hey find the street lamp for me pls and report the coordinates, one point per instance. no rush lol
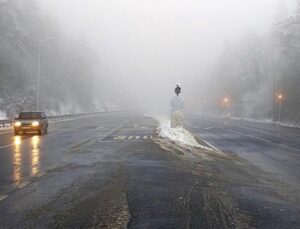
(39, 71)
(280, 99)
(226, 101)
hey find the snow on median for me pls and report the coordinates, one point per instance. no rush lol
(178, 135)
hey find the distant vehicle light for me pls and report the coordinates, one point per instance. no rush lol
(35, 123)
(18, 124)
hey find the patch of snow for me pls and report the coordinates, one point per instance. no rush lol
(179, 135)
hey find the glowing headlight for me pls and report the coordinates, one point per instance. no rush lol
(18, 123)
(35, 124)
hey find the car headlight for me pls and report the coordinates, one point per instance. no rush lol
(35, 124)
(18, 124)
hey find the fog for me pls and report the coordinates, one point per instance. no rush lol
(146, 47)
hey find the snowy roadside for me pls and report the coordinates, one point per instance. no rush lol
(267, 121)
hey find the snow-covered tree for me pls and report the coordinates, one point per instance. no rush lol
(66, 66)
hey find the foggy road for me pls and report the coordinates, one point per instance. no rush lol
(126, 74)
(112, 171)
(272, 148)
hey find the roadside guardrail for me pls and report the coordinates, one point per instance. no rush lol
(6, 124)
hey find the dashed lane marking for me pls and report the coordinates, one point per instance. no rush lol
(23, 185)
(209, 128)
(7, 146)
(3, 197)
(132, 137)
(42, 174)
(120, 138)
(147, 137)
(111, 132)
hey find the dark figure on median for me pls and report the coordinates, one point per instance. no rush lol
(177, 90)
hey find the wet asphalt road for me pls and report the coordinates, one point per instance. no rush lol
(112, 171)
(274, 149)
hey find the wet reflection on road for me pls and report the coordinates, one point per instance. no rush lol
(17, 160)
(20, 150)
(35, 155)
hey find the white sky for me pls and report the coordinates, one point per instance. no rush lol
(155, 43)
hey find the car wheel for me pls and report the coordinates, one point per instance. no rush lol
(40, 132)
(16, 132)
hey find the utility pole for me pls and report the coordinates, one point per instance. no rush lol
(39, 72)
(38, 80)
(280, 98)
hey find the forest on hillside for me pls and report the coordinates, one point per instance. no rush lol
(253, 73)
(66, 66)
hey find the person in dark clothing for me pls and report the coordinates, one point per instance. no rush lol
(177, 90)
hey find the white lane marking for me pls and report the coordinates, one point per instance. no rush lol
(209, 128)
(120, 138)
(211, 145)
(7, 146)
(132, 137)
(250, 136)
(42, 174)
(23, 185)
(111, 132)
(147, 137)
(3, 197)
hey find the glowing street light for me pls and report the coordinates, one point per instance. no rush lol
(226, 103)
(280, 99)
(226, 100)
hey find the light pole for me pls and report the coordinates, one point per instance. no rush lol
(226, 100)
(280, 98)
(227, 105)
(39, 72)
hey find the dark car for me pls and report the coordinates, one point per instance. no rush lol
(31, 122)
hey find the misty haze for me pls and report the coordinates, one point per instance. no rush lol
(150, 114)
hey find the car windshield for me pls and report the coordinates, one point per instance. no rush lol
(30, 115)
